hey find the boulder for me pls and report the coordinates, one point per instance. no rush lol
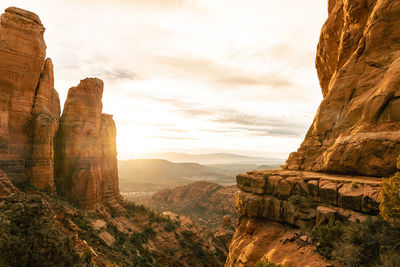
(350, 196)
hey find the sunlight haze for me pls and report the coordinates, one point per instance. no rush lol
(193, 76)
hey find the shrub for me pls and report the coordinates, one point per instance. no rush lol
(354, 185)
(170, 226)
(326, 236)
(360, 243)
(390, 198)
(390, 259)
(267, 263)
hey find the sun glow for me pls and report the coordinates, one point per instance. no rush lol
(192, 76)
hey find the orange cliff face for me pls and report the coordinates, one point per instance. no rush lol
(355, 134)
(29, 105)
(86, 157)
(84, 167)
(357, 127)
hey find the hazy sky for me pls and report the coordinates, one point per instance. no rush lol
(192, 75)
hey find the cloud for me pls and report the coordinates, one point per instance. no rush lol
(174, 138)
(231, 120)
(222, 74)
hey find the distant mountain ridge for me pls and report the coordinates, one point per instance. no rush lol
(151, 175)
(211, 158)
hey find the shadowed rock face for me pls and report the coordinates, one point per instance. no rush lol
(357, 127)
(86, 157)
(29, 104)
(46, 113)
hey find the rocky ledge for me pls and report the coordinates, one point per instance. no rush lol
(274, 206)
(306, 198)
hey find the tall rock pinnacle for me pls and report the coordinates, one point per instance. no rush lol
(86, 157)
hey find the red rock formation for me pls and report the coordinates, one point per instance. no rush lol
(357, 127)
(29, 120)
(6, 186)
(22, 56)
(86, 167)
(204, 202)
(46, 113)
(29, 104)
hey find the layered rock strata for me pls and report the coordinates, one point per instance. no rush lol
(357, 127)
(304, 199)
(274, 206)
(86, 157)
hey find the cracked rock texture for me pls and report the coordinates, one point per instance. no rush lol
(86, 155)
(356, 128)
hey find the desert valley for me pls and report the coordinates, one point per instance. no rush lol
(68, 198)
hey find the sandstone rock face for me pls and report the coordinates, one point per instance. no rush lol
(349, 197)
(257, 239)
(357, 126)
(22, 58)
(86, 163)
(46, 113)
(30, 115)
(273, 204)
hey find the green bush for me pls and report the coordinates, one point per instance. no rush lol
(326, 236)
(390, 198)
(359, 244)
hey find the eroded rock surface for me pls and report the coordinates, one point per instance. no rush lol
(256, 239)
(306, 195)
(357, 127)
(86, 163)
(30, 116)
(274, 206)
(45, 118)
(22, 59)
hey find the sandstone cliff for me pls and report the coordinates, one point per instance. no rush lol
(29, 105)
(86, 157)
(357, 126)
(356, 131)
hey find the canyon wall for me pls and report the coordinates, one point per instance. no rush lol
(352, 143)
(357, 127)
(76, 155)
